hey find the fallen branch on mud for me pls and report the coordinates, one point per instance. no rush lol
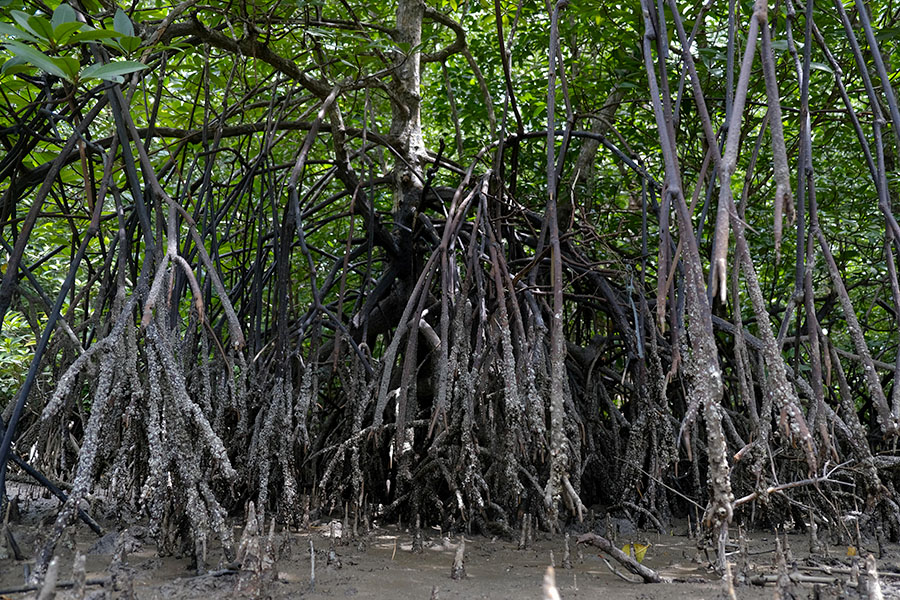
(761, 580)
(617, 572)
(645, 573)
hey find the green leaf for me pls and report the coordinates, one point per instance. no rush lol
(122, 23)
(69, 65)
(14, 65)
(88, 35)
(63, 14)
(63, 31)
(887, 34)
(41, 27)
(130, 43)
(16, 33)
(112, 71)
(36, 58)
(22, 19)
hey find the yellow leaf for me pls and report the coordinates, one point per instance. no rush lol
(851, 551)
(638, 551)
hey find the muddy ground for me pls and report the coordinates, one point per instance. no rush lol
(381, 564)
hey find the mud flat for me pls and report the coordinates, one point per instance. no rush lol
(382, 564)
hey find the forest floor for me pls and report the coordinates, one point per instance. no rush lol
(381, 564)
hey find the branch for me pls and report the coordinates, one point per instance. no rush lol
(458, 45)
(248, 46)
(646, 573)
(772, 489)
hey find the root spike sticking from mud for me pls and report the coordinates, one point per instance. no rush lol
(48, 589)
(550, 591)
(458, 570)
(873, 585)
